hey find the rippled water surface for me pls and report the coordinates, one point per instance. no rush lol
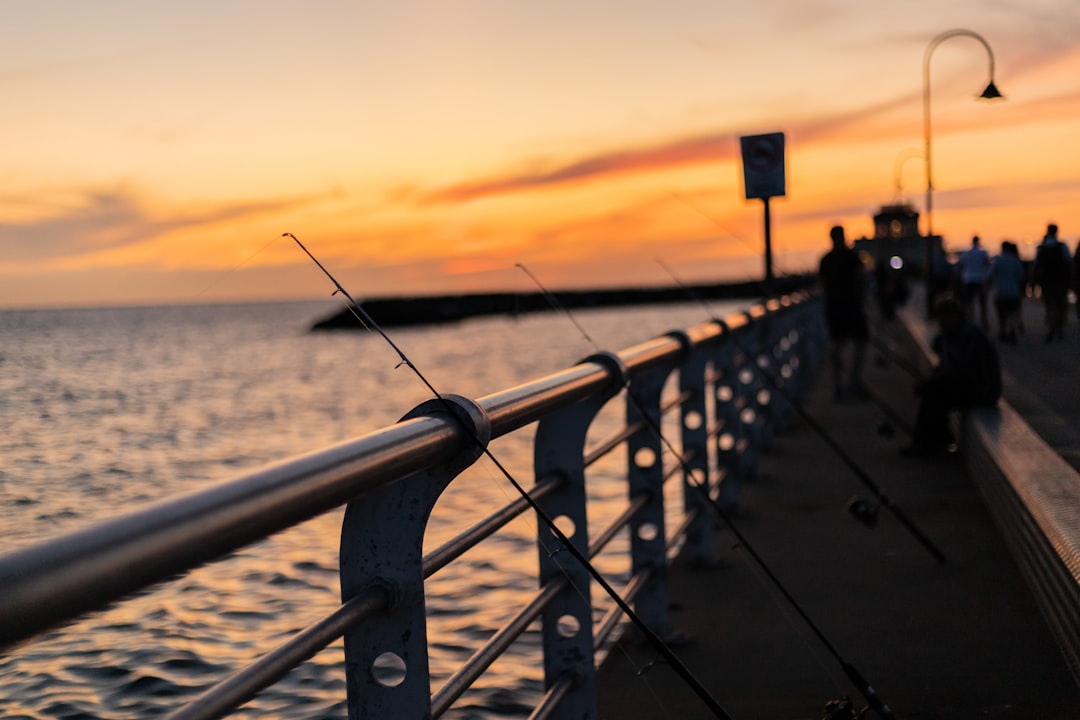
(102, 410)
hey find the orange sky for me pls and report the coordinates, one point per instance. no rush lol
(157, 155)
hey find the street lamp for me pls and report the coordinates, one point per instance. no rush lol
(990, 93)
(898, 168)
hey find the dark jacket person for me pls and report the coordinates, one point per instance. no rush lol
(968, 374)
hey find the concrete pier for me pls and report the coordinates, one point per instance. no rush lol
(958, 640)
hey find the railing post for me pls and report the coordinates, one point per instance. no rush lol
(693, 418)
(566, 622)
(386, 658)
(729, 436)
(645, 474)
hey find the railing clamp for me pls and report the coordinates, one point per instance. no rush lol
(616, 368)
(468, 412)
(686, 345)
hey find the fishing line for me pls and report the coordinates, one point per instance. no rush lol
(861, 474)
(897, 359)
(220, 277)
(865, 689)
(723, 227)
(658, 644)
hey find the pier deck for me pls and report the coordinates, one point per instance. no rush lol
(958, 640)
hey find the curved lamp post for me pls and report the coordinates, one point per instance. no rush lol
(990, 93)
(898, 168)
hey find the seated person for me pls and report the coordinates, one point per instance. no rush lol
(968, 374)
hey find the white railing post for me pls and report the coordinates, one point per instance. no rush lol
(694, 423)
(382, 534)
(566, 622)
(645, 476)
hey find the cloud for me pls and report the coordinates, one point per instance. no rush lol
(107, 220)
(706, 148)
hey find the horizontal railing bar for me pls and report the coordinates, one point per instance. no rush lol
(451, 550)
(612, 617)
(603, 447)
(73, 574)
(607, 534)
(238, 688)
(490, 651)
(550, 702)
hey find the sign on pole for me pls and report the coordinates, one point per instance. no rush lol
(763, 165)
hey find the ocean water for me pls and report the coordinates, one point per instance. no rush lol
(102, 410)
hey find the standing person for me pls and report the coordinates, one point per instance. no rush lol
(1076, 278)
(974, 267)
(1007, 275)
(1053, 274)
(843, 282)
(968, 374)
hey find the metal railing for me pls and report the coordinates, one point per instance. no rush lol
(390, 479)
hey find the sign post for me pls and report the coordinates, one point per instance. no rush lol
(764, 177)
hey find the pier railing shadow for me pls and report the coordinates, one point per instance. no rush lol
(389, 481)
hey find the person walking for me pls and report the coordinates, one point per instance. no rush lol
(1053, 275)
(1007, 276)
(974, 268)
(843, 283)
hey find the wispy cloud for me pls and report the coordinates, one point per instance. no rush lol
(107, 220)
(706, 148)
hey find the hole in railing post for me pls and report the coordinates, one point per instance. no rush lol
(698, 476)
(764, 397)
(388, 669)
(786, 372)
(746, 376)
(748, 416)
(726, 441)
(567, 626)
(645, 457)
(724, 393)
(566, 525)
(648, 531)
(693, 420)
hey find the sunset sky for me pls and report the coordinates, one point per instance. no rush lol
(155, 152)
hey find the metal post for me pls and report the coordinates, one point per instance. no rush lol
(693, 419)
(645, 474)
(386, 658)
(729, 433)
(567, 620)
(769, 280)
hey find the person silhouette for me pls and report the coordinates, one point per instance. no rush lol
(1007, 275)
(1053, 274)
(968, 374)
(974, 268)
(843, 283)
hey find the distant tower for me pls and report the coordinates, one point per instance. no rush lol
(896, 235)
(896, 222)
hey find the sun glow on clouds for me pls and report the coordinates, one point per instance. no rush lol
(456, 141)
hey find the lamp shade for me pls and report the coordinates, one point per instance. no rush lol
(991, 92)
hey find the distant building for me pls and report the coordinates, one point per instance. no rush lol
(897, 242)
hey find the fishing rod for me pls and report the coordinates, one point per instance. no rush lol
(865, 688)
(861, 474)
(655, 640)
(897, 359)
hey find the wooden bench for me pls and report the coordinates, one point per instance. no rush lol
(1034, 497)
